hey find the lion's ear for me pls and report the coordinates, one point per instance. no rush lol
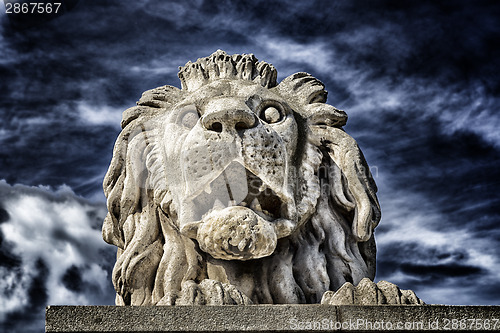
(308, 96)
(151, 103)
(161, 97)
(302, 89)
(351, 183)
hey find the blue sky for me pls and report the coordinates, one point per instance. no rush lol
(418, 79)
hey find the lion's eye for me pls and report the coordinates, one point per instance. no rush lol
(188, 117)
(271, 114)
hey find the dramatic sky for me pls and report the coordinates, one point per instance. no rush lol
(418, 79)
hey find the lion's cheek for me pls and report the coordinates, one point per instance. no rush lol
(236, 233)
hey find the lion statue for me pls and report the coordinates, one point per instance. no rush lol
(235, 189)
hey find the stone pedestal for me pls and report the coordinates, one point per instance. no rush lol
(269, 318)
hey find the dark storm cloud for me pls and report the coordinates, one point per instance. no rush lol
(458, 172)
(417, 78)
(436, 254)
(430, 270)
(68, 65)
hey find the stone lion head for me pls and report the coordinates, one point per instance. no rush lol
(235, 189)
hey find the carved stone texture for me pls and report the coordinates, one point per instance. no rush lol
(369, 293)
(237, 190)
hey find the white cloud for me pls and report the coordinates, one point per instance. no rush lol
(99, 114)
(62, 231)
(315, 54)
(470, 109)
(163, 66)
(13, 290)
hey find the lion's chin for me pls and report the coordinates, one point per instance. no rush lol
(236, 233)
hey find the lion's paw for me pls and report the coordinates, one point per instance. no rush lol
(211, 292)
(369, 293)
(236, 233)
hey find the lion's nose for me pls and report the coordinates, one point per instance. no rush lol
(238, 120)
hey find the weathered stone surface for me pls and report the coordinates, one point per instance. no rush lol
(369, 293)
(269, 318)
(237, 190)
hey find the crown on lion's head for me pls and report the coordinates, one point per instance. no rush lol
(234, 170)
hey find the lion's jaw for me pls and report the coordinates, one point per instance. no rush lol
(234, 189)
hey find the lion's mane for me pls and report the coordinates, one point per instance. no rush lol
(333, 245)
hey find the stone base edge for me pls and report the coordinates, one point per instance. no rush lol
(270, 318)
